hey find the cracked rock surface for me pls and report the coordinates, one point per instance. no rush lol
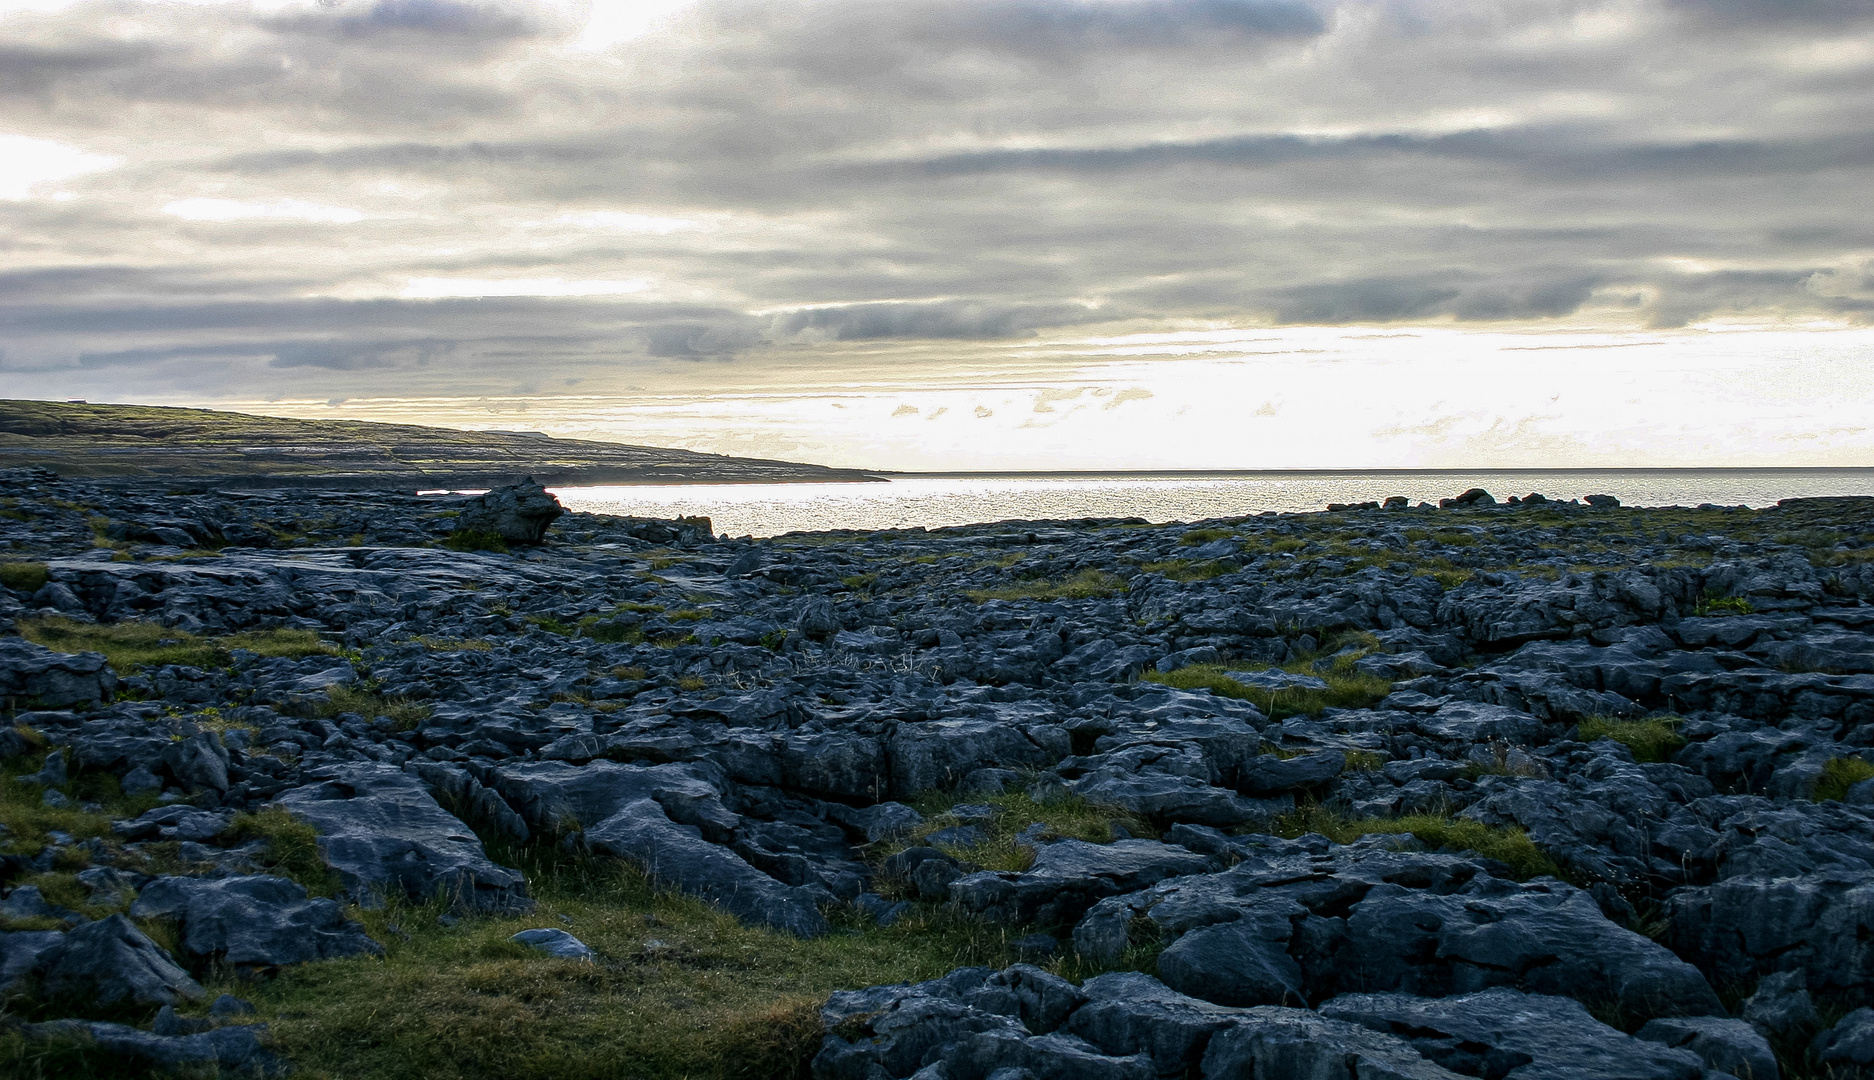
(1543, 789)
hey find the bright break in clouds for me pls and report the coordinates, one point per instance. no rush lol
(964, 233)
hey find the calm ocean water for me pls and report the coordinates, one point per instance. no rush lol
(932, 501)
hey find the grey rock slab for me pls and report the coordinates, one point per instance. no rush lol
(1725, 1045)
(198, 762)
(1472, 721)
(1517, 1036)
(1069, 876)
(940, 753)
(556, 943)
(384, 834)
(1131, 1013)
(1241, 962)
(1294, 1044)
(678, 856)
(54, 680)
(554, 796)
(253, 922)
(1819, 924)
(1272, 775)
(1168, 797)
(111, 962)
(1543, 937)
(1277, 680)
(1781, 1003)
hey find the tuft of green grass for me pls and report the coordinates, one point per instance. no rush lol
(405, 715)
(1203, 536)
(1840, 774)
(859, 582)
(1712, 604)
(1652, 739)
(1510, 846)
(1086, 585)
(1067, 817)
(1346, 688)
(292, 847)
(687, 615)
(129, 645)
(476, 540)
(26, 577)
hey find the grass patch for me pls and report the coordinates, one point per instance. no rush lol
(1652, 739)
(688, 615)
(1067, 817)
(1203, 536)
(1722, 605)
(476, 540)
(26, 577)
(692, 683)
(451, 644)
(405, 715)
(28, 822)
(1086, 585)
(292, 847)
(680, 989)
(1510, 846)
(1840, 774)
(1346, 688)
(129, 645)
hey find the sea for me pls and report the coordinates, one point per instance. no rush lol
(933, 501)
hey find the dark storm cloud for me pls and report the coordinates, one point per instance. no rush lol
(941, 320)
(948, 171)
(401, 18)
(1466, 295)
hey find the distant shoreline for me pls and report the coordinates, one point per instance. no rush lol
(1197, 474)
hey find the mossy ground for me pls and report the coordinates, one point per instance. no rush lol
(1840, 774)
(679, 989)
(1085, 585)
(1510, 846)
(1347, 688)
(129, 645)
(1652, 739)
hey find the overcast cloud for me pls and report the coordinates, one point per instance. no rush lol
(366, 198)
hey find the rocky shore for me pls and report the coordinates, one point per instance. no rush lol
(1544, 790)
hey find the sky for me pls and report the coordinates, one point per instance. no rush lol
(963, 234)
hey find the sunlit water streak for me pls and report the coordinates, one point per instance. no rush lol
(934, 501)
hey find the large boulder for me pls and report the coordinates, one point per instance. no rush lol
(1502, 1032)
(111, 962)
(36, 676)
(677, 856)
(1819, 924)
(383, 833)
(556, 797)
(519, 513)
(253, 923)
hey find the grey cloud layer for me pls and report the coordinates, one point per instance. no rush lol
(951, 171)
